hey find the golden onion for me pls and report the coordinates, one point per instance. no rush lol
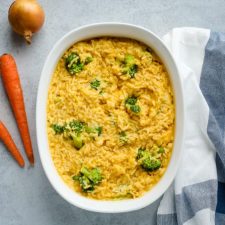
(26, 17)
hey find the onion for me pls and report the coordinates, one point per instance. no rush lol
(26, 17)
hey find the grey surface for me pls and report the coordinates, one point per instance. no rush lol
(26, 196)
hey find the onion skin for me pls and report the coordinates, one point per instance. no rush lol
(26, 17)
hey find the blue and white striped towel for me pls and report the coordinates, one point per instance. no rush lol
(197, 196)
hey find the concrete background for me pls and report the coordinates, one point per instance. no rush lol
(26, 196)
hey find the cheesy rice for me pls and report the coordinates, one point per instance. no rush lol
(110, 118)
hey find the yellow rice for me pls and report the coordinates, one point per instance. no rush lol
(71, 97)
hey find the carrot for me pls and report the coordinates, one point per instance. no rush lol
(8, 141)
(11, 82)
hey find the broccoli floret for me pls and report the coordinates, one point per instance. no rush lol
(76, 126)
(88, 178)
(58, 128)
(71, 130)
(77, 141)
(161, 150)
(85, 183)
(76, 177)
(76, 68)
(131, 104)
(99, 130)
(123, 137)
(151, 164)
(133, 69)
(141, 153)
(96, 176)
(88, 60)
(85, 171)
(89, 130)
(129, 59)
(129, 67)
(147, 162)
(135, 108)
(72, 58)
(93, 175)
(73, 63)
(95, 84)
(131, 100)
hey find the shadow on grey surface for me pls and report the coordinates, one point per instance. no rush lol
(16, 39)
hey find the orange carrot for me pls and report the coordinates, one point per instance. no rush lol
(11, 81)
(9, 143)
